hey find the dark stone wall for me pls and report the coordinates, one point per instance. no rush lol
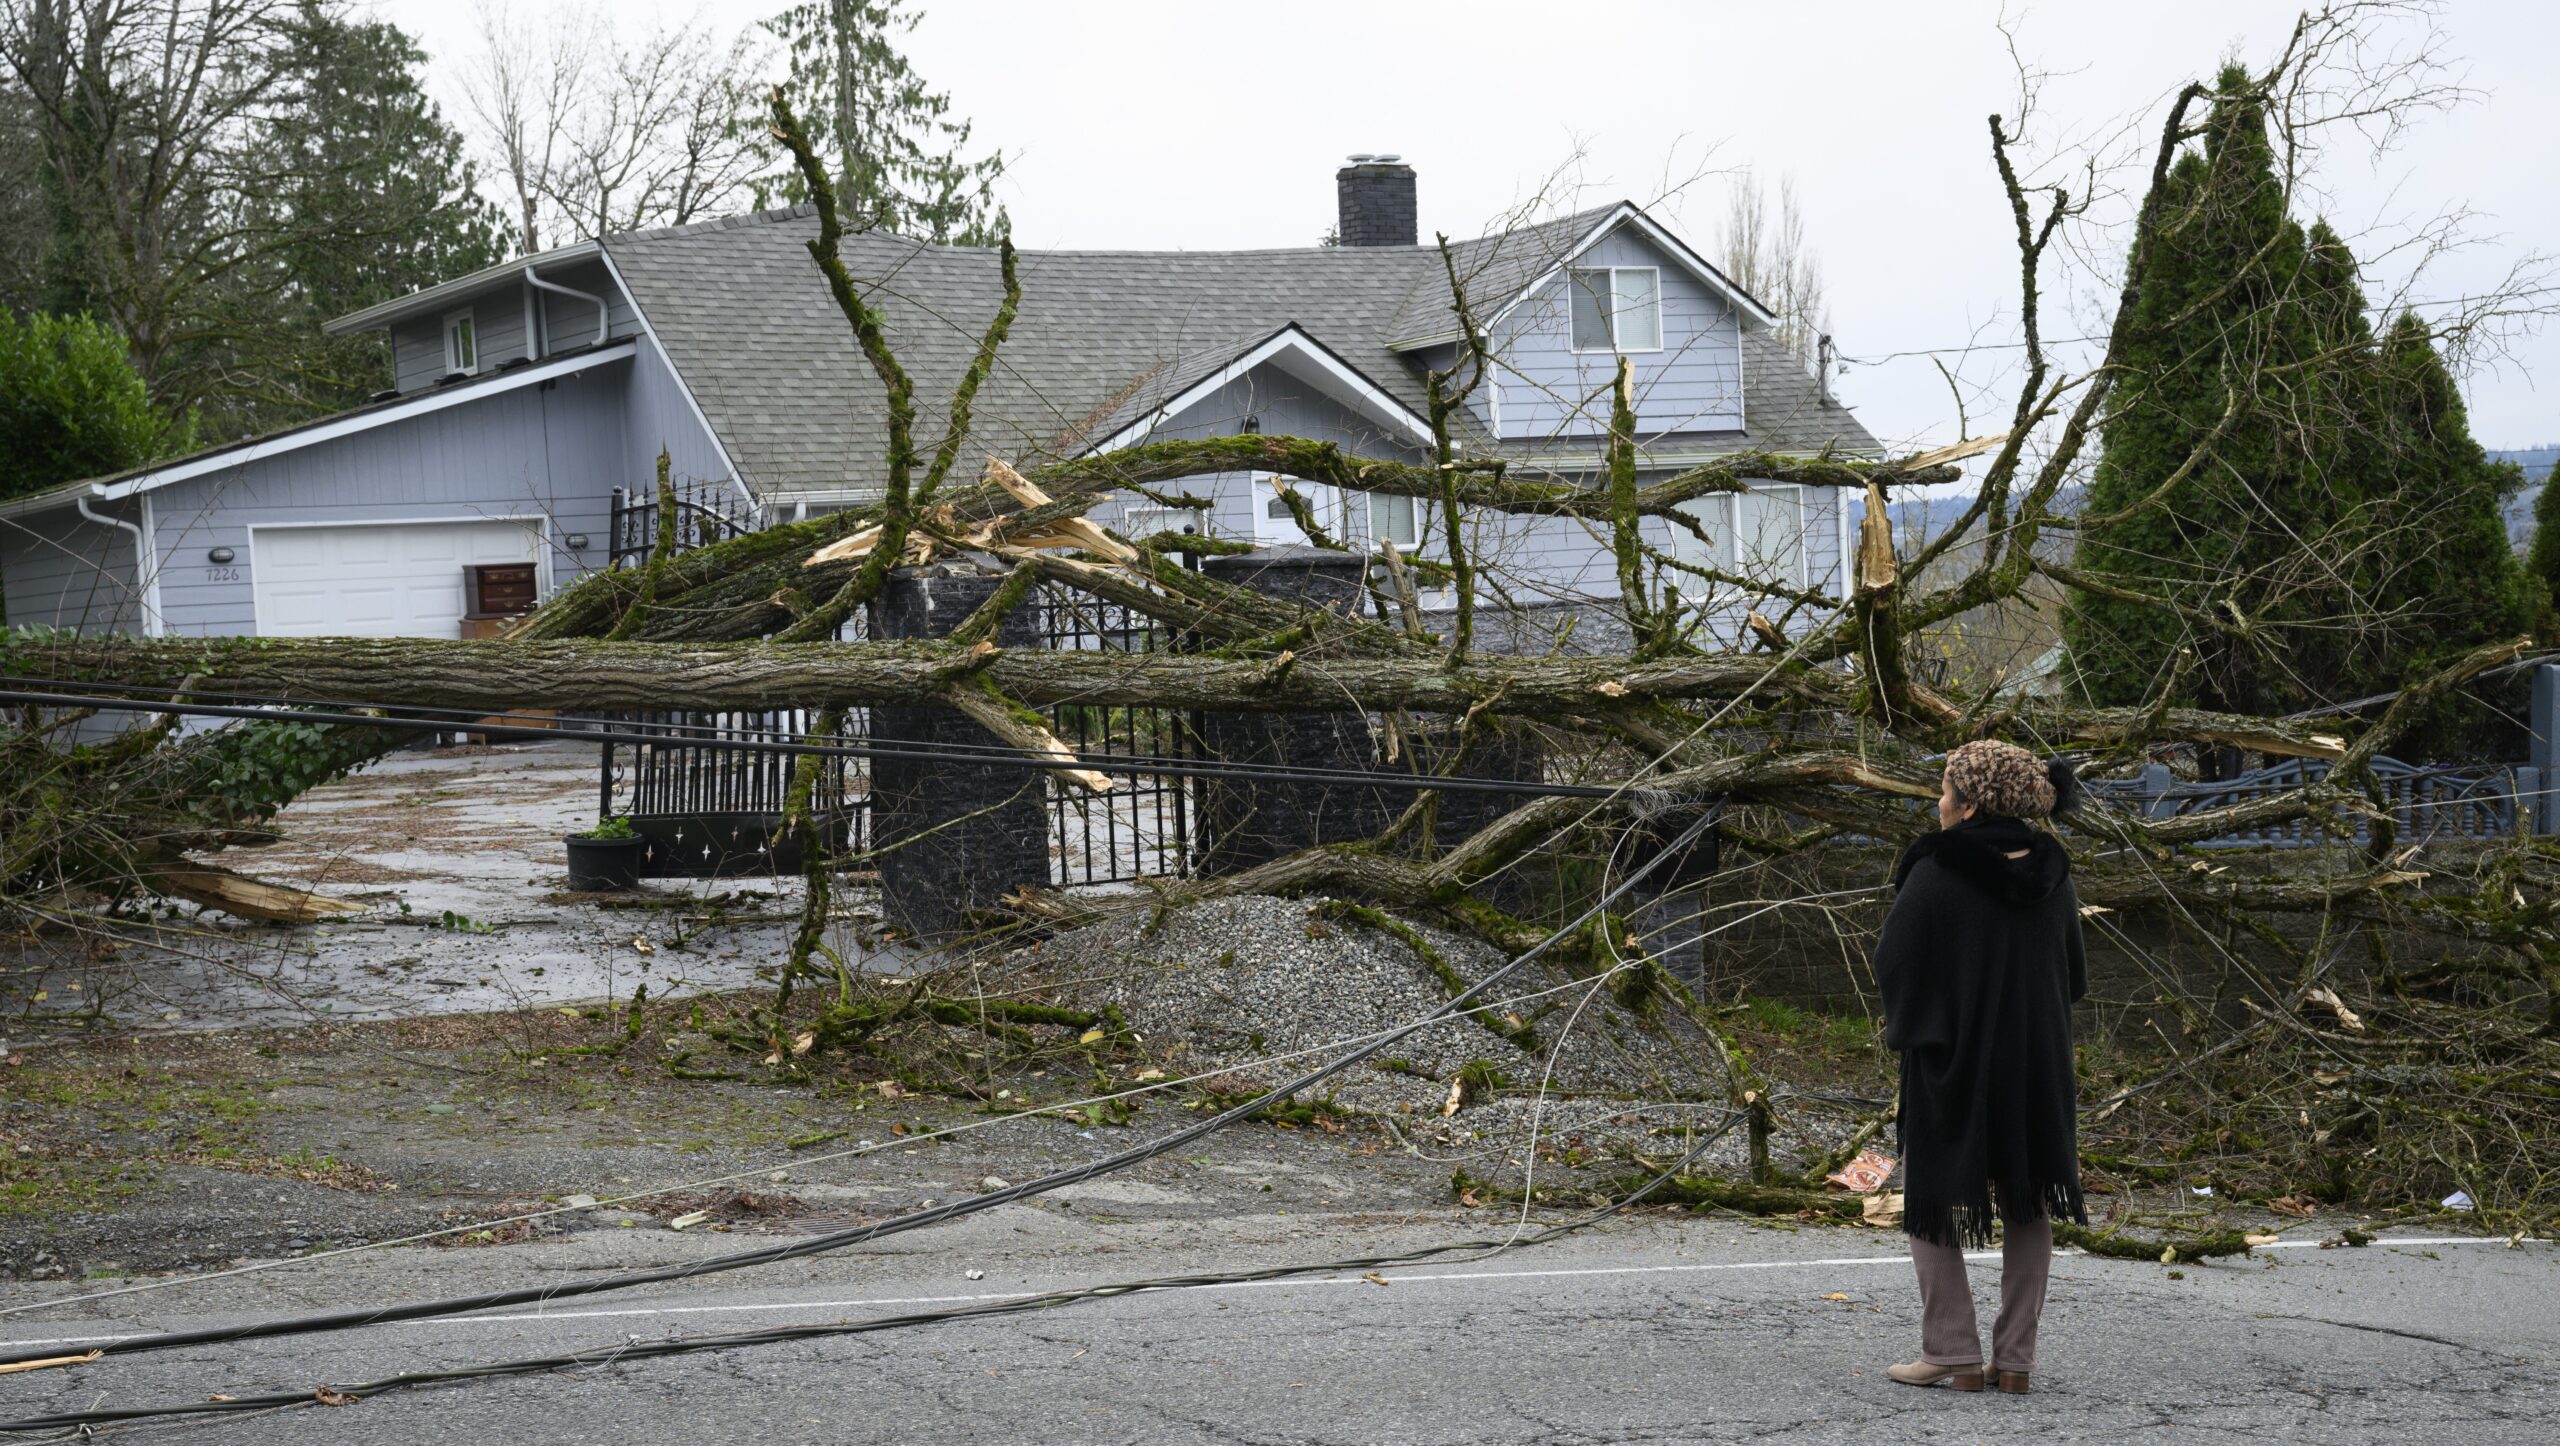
(1376, 204)
(1242, 822)
(951, 865)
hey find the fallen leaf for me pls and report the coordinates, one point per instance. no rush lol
(2293, 1205)
(887, 1089)
(332, 1396)
(1374, 1278)
(1090, 1036)
(803, 1042)
(1147, 1074)
(1836, 1295)
(218, 1396)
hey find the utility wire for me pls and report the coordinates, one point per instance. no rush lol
(837, 1240)
(731, 1340)
(980, 754)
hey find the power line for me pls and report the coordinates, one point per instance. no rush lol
(837, 1240)
(601, 731)
(728, 1340)
(1881, 357)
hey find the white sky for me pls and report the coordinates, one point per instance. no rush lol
(1191, 124)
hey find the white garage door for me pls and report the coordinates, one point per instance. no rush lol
(376, 580)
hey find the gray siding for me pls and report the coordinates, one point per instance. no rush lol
(551, 453)
(498, 318)
(1284, 406)
(61, 570)
(1694, 384)
(417, 345)
(569, 322)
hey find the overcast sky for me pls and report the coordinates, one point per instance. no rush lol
(1186, 124)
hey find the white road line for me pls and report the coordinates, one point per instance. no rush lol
(745, 1308)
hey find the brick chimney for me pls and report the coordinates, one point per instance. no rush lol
(1376, 198)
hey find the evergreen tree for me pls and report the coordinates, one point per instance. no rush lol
(899, 154)
(2542, 559)
(2221, 276)
(2449, 581)
(72, 405)
(373, 200)
(2346, 531)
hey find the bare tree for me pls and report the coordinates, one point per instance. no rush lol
(1767, 255)
(146, 118)
(593, 133)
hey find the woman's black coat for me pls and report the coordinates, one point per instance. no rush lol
(1980, 963)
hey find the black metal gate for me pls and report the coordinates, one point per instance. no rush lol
(1142, 827)
(718, 812)
(706, 512)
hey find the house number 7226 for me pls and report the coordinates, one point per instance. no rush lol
(222, 574)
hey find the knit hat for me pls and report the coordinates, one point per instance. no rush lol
(2005, 779)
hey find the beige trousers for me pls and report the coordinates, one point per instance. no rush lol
(1948, 1334)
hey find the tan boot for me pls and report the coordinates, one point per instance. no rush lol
(2013, 1383)
(1958, 1378)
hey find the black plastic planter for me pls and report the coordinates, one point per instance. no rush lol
(600, 864)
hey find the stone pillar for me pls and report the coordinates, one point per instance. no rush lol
(952, 865)
(1243, 822)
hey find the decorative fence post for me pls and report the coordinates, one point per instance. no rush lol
(2536, 792)
(957, 837)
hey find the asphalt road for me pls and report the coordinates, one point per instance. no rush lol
(1659, 1330)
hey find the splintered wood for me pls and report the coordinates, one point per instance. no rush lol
(1075, 532)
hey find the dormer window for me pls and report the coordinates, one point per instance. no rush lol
(461, 347)
(1616, 308)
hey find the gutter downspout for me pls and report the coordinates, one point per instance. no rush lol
(142, 561)
(602, 316)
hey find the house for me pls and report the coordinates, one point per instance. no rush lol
(527, 394)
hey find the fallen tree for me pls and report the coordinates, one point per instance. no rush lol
(1819, 724)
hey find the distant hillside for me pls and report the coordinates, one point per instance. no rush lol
(2537, 463)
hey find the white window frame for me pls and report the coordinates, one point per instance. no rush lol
(1802, 573)
(1661, 336)
(1413, 513)
(453, 361)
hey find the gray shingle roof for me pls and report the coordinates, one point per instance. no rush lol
(1102, 336)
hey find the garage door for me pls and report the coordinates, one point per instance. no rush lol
(376, 580)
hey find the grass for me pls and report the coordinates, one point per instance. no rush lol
(1833, 1033)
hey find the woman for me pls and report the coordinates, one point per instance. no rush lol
(1980, 963)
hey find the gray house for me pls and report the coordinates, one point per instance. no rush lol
(528, 393)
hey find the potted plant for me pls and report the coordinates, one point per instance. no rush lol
(607, 856)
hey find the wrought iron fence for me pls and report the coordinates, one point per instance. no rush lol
(2429, 803)
(716, 812)
(1142, 827)
(711, 812)
(706, 512)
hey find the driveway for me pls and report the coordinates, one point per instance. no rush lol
(456, 855)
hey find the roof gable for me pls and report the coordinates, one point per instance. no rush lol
(1500, 272)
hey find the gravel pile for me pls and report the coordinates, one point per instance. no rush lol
(1227, 984)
